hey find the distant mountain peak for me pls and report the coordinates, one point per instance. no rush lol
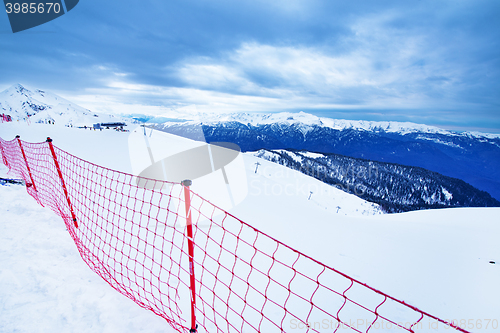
(39, 106)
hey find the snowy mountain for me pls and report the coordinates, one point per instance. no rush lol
(472, 157)
(38, 106)
(397, 188)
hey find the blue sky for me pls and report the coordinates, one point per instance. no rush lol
(432, 62)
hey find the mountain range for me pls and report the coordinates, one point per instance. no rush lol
(470, 156)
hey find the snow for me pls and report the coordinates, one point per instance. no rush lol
(437, 260)
(107, 147)
(446, 143)
(292, 188)
(447, 194)
(311, 155)
(44, 284)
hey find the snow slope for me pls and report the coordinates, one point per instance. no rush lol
(435, 260)
(44, 284)
(107, 147)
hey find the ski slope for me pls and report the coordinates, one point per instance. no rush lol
(435, 260)
(44, 284)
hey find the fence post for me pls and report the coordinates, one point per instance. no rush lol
(49, 140)
(27, 164)
(189, 226)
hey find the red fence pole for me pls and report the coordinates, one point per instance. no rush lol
(189, 225)
(27, 164)
(49, 140)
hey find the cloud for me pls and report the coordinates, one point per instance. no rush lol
(379, 67)
(214, 76)
(385, 61)
(401, 59)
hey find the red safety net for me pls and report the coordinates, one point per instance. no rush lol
(133, 232)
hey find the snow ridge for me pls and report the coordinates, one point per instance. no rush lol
(306, 121)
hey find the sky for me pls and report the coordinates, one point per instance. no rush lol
(425, 61)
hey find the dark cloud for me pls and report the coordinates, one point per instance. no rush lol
(403, 58)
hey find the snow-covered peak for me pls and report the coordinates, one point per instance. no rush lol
(19, 93)
(36, 105)
(383, 126)
(260, 118)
